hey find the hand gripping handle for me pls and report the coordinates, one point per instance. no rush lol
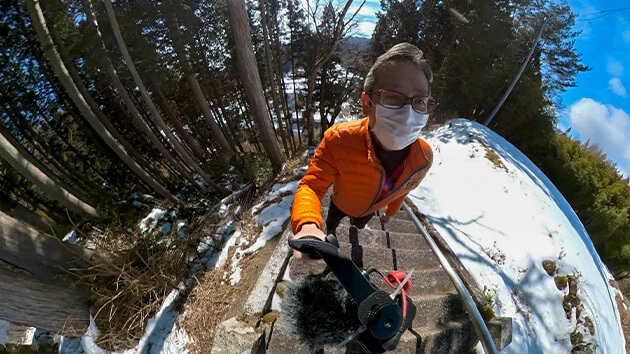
(314, 247)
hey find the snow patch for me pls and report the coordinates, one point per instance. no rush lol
(236, 276)
(88, 341)
(71, 237)
(274, 216)
(161, 334)
(182, 228)
(231, 241)
(504, 238)
(151, 220)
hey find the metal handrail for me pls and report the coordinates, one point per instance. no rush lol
(477, 321)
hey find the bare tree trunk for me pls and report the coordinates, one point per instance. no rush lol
(56, 130)
(74, 74)
(25, 199)
(248, 70)
(308, 111)
(228, 125)
(271, 74)
(252, 135)
(40, 166)
(297, 115)
(280, 78)
(154, 112)
(220, 119)
(15, 115)
(322, 99)
(136, 116)
(323, 57)
(27, 216)
(178, 46)
(243, 109)
(47, 154)
(45, 183)
(29, 301)
(41, 254)
(295, 96)
(62, 73)
(172, 117)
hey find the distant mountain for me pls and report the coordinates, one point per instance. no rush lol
(358, 42)
(352, 50)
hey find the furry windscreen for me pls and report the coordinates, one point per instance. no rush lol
(319, 311)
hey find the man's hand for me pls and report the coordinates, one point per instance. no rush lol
(309, 229)
(384, 218)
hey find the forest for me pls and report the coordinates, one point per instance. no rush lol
(180, 103)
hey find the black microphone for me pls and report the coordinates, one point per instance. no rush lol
(319, 311)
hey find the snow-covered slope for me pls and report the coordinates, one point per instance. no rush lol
(503, 218)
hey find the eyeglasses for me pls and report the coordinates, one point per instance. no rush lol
(395, 100)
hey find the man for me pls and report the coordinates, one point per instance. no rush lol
(376, 161)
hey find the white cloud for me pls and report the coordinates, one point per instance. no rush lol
(626, 35)
(606, 126)
(365, 29)
(614, 67)
(368, 9)
(617, 87)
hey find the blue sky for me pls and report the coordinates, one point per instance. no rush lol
(598, 109)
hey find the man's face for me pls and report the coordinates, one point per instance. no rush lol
(401, 76)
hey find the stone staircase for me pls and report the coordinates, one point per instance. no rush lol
(441, 324)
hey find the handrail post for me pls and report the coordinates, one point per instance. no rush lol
(477, 321)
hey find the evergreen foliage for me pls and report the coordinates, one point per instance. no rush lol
(599, 195)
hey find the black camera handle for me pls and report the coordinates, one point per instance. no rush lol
(379, 314)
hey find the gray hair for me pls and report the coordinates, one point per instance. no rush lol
(401, 51)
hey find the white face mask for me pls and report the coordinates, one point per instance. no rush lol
(396, 129)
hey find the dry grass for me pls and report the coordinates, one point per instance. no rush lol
(128, 289)
(623, 305)
(300, 159)
(207, 305)
(130, 286)
(492, 156)
(495, 159)
(209, 302)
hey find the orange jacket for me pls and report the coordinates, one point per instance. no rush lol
(346, 159)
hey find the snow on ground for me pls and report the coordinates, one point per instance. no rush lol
(161, 334)
(151, 220)
(272, 215)
(503, 221)
(275, 215)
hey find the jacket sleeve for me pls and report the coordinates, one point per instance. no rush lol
(320, 175)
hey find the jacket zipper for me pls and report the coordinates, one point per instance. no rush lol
(392, 192)
(380, 186)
